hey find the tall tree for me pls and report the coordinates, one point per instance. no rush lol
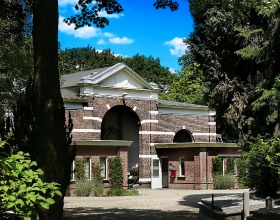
(187, 86)
(16, 55)
(236, 46)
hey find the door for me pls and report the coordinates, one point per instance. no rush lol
(156, 180)
(164, 168)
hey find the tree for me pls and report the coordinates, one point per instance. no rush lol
(187, 86)
(236, 46)
(16, 56)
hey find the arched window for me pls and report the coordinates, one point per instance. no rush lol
(183, 136)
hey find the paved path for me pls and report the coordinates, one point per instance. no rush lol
(149, 204)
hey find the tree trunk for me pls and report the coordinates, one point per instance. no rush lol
(49, 148)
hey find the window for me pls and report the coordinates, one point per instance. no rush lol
(103, 163)
(182, 166)
(156, 168)
(87, 167)
(183, 136)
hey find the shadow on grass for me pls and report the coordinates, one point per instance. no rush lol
(82, 213)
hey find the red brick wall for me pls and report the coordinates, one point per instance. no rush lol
(94, 152)
(195, 166)
(166, 123)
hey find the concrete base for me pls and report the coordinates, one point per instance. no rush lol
(227, 207)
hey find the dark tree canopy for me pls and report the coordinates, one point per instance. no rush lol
(236, 45)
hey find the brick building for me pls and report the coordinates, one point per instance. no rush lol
(116, 112)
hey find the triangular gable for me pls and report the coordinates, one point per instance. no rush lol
(118, 76)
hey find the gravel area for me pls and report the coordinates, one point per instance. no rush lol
(149, 204)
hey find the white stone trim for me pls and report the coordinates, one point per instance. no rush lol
(212, 123)
(154, 112)
(134, 108)
(149, 121)
(108, 106)
(203, 134)
(145, 180)
(92, 118)
(149, 156)
(212, 113)
(76, 130)
(157, 132)
(88, 108)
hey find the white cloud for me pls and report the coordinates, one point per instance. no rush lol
(106, 15)
(172, 70)
(84, 32)
(107, 34)
(101, 41)
(123, 40)
(120, 55)
(179, 46)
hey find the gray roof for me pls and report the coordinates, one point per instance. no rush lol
(180, 104)
(71, 94)
(72, 79)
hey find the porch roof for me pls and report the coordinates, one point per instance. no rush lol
(194, 145)
(106, 143)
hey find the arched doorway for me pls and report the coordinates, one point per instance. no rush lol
(183, 136)
(122, 123)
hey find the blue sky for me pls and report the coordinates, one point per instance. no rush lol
(140, 28)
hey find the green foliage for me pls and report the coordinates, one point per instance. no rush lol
(22, 189)
(263, 164)
(241, 169)
(237, 46)
(223, 182)
(80, 168)
(97, 179)
(84, 187)
(115, 172)
(217, 164)
(230, 166)
(187, 86)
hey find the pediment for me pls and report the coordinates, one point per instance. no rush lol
(117, 76)
(123, 79)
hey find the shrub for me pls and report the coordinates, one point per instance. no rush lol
(262, 176)
(115, 173)
(230, 166)
(97, 179)
(84, 187)
(217, 165)
(21, 188)
(241, 171)
(223, 182)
